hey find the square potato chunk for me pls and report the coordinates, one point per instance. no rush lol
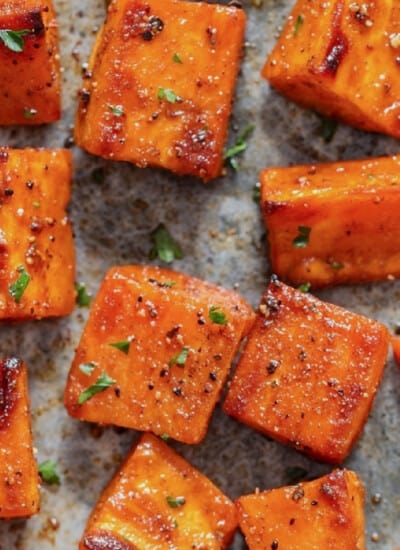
(341, 58)
(19, 479)
(160, 83)
(29, 63)
(309, 373)
(37, 258)
(334, 223)
(326, 513)
(162, 343)
(158, 500)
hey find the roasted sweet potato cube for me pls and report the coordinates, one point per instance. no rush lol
(160, 83)
(309, 373)
(37, 258)
(29, 63)
(158, 500)
(19, 479)
(155, 352)
(334, 223)
(326, 513)
(341, 58)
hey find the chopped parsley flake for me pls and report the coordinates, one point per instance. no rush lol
(48, 472)
(328, 128)
(336, 265)
(29, 113)
(122, 346)
(179, 358)
(164, 437)
(16, 290)
(217, 316)
(175, 502)
(167, 94)
(239, 146)
(116, 110)
(87, 368)
(102, 383)
(305, 287)
(83, 298)
(14, 40)
(298, 24)
(177, 58)
(164, 245)
(302, 239)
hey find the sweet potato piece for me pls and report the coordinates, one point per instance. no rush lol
(309, 373)
(37, 258)
(158, 500)
(341, 58)
(29, 77)
(160, 84)
(334, 223)
(173, 359)
(19, 479)
(326, 513)
(396, 348)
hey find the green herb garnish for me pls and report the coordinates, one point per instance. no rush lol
(257, 193)
(176, 58)
(336, 265)
(16, 290)
(180, 357)
(48, 472)
(83, 299)
(116, 110)
(239, 146)
(305, 287)
(29, 113)
(298, 24)
(14, 40)
(164, 245)
(164, 437)
(328, 128)
(87, 368)
(302, 239)
(122, 346)
(102, 383)
(217, 316)
(175, 502)
(167, 94)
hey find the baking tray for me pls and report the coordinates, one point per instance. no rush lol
(114, 208)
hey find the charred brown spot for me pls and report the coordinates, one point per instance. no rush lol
(138, 22)
(338, 45)
(9, 371)
(3, 155)
(84, 96)
(106, 541)
(155, 26)
(34, 22)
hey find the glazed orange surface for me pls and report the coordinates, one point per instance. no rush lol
(158, 500)
(36, 236)
(162, 314)
(350, 209)
(19, 479)
(326, 513)
(341, 58)
(30, 86)
(309, 373)
(192, 50)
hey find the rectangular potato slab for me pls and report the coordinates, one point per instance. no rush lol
(160, 83)
(349, 212)
(19, 479)
(309, 373)
(30, 84)
(158, 500)
(175, 358)
(324, 514)
(37, 258)
(342, 58)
